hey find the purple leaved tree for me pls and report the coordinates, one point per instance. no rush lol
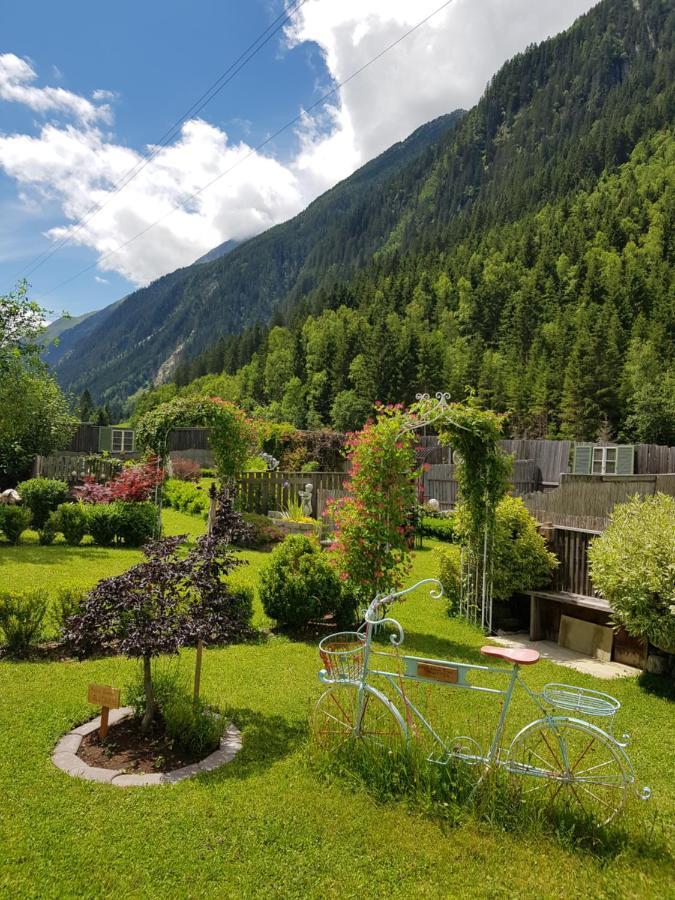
(168, 601)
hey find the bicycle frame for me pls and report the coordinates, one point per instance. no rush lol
(451, 674)
(574, 755)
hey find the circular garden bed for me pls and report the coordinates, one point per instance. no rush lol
(127, 759)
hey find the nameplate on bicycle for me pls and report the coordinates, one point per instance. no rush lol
(437, 673)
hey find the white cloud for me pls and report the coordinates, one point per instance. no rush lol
(99, 280)
(16, 86)
(442, 66)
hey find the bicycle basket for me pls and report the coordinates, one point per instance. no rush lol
(578, 699)
(343, 655)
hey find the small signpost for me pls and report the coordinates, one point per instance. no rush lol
(107, 698)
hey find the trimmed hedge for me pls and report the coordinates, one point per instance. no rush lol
(440, 527)
(186, 497)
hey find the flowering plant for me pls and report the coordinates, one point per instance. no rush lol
(371, 545)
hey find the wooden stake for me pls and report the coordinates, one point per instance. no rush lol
(198, 669)
(103, 730)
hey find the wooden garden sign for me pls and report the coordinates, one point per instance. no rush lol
(107, 698)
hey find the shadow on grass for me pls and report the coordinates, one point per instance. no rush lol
(454, 793)
(265, 740)
(36, 554)
(658, 685)
(419, 644)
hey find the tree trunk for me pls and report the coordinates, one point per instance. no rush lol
(149, 695)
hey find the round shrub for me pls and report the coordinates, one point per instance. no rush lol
(103, 523)
(520, 560)
(47, 533)
(14, 520)
(632, 564)
(22, 618)
(71, 521)
(42, 496)
(136, 523)
(299, 584)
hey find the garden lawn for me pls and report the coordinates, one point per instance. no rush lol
(267, 825)
(28, 565)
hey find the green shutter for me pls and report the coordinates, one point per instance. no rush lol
(104, 438)
(625, 459)
(583, 459)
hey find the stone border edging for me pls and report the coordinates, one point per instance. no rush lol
(65, 757)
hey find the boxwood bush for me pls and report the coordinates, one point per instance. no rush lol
(103, 521)
(14, 520)
(440, 527)
(22, 618)
(299, 584)
(137, 522)
(43, 496)
(71, 521)
(632, 564)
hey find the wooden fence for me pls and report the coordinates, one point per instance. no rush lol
(84, 439)
(653, 459)
(259, 492)
(189, 439)
(571, 547)
(588, 500)
(551, 457)
(73, 467)
(439, 481)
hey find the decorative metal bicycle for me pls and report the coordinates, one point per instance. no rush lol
(559, 756)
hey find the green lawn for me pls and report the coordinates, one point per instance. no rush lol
(266, 825)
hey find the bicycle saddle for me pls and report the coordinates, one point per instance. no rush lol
(515, 655)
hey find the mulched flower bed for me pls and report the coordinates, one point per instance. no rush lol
(127, 749)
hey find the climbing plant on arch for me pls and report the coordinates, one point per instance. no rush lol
(482, 473)
(232, 434)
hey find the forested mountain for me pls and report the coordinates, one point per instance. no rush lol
(526, 253)
(180, 313)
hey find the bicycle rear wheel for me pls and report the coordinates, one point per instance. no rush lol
(572, 762)
(339, 717)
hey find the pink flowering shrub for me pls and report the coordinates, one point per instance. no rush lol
(132, 485)
(371, 545)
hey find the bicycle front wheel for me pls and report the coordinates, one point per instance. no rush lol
(346, 712)
(574, 763)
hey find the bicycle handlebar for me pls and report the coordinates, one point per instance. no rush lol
(384, 599)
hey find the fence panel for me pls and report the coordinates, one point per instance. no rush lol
(571, 547)
(654, 459)
(72, 468)
(260, 492)
(591, 497)
(439, 481)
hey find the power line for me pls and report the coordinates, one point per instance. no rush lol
(255, 149)
(222, 81)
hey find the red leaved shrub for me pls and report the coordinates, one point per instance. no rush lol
(185, 469)
(132, 485)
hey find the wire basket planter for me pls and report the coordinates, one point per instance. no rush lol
(581, 700)
(343, 655)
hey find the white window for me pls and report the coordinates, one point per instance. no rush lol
(604, 460)
(122, 440)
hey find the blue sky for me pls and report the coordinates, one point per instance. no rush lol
(158, 67)
(64, 144)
